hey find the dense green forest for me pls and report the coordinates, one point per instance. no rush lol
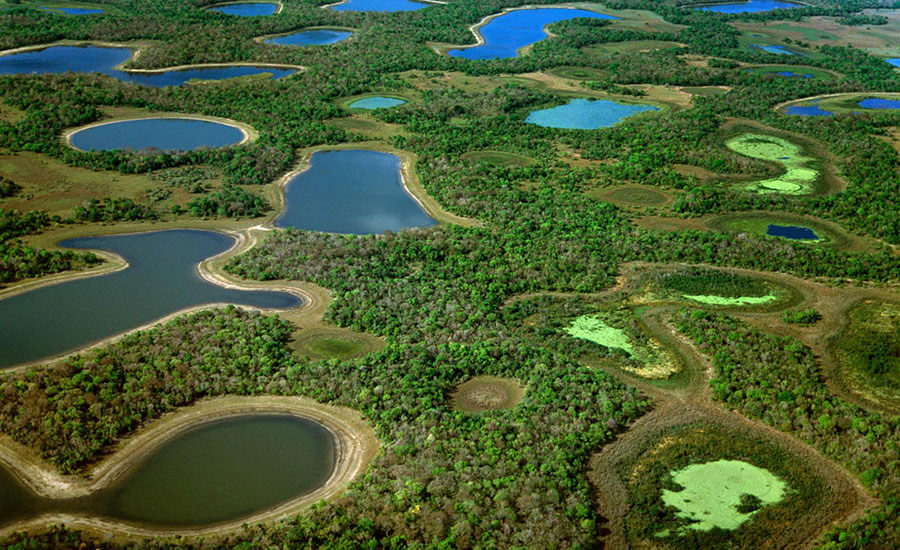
(440, 296)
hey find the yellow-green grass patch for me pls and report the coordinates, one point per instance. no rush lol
(800, 170)
(487, 393)
(707, 91)
(579, 73)
(868, 354)
(318, 343)
(500, 158)
(757, 223)
(10, 114)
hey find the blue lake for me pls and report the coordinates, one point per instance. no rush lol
(247, 10)
(753, 6)
(507, 33)
(165, 134)
(584, 114)
(356, 192)
(96, 59)
(312, 37)
(773, 49)
(795, 232)
(162, 278)
(378, 102)
(380, 5)
(793, 74)
(895, 62)
(807, 110)
(879, 103)
(73, 11)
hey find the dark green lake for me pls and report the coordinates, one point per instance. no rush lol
(217, 472)
(162, 278)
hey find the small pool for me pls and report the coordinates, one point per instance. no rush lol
(505, 34)
(378, 102)
(249, 9)
(311, 37)
(584, 114)
(773, 49)
(379, 5)
(807, 110)
(73, 11)
(753, 6)
(164, 134)
(791, 74)
(795, 232)
(879, 103)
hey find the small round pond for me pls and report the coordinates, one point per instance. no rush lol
(584, 114)
(753, 6)
(376, 102)
(353, 191)
(165, 134)
(161, 278)
(794, 232)
(379, 5)
(311, 37)
(505, 34)
(246, 9)
(105, 59)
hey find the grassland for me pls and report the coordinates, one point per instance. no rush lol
(818, 74)
(799, 175)
(840, 104)
(633, 195)
(487, 393)
(830, 234)
(631, 46)
(326, 342)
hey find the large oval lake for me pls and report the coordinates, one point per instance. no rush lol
(164, 134)
(356, 192)
(247, 9)
(105, 59)
(218, 471)
(506, 33)
(311, 37)
(162, 278)
(379, 5)
(584, 114)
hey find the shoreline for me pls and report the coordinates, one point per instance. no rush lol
(220, 4)
(356, 444)
(248, 132)
(262, 39)
(437, 2)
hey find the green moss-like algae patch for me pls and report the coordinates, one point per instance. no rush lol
(646, 357)
(799, 177)
(714, 493)
(591, 328)
(731, 301)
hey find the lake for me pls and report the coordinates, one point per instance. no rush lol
(249, 9)
(795, 232)
(162, 278)
(584, 114)
(353, 191)
(773, 49)
(72, 11)
(379, 5)
(879, 103)
(377, 102)
(164, 134)
(104, 59)
(753, 6)
(505, 34)
(895, 62)
(807, 110)
(312, 37)
(793, 74)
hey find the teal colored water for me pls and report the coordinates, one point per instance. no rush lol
(380, 5)
(356, 192)
(584, 114)
(97, 59)
(164, 134)
(753, 6)
(73, 11)
(372, 103)
(312, 37)
(162, 278)
(507, 33)
(216, 472)
(773, 49)
(250, 9)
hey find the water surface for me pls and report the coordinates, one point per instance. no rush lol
(795, 232)
(753, 6)
(380, 5)
(584, 114)
(72, 11)
(895, 62)
(807, 110)
(312, 37)
(773, 49)
(162, 278)
(356, 192)
(507, 33)
(164, 134)
(793, 74)
(248, 9)
(104, 59)
(879, 103)
(377, 102)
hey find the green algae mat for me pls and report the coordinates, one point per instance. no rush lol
(799, 177)
(647, 357)
(722, 494)
(591, 328)
(731, 301)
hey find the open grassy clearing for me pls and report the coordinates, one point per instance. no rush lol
(840, 104)
(327, 342)
(818, 74)
(800, 174)
(578, 73)
(499, 158)
(707, 91)
(10, 114)
(878, 40)
(633, 195)
(752, 41)
(868, 353)
(368, 127)
(829, 233)
(631, 46)
(487, 393)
